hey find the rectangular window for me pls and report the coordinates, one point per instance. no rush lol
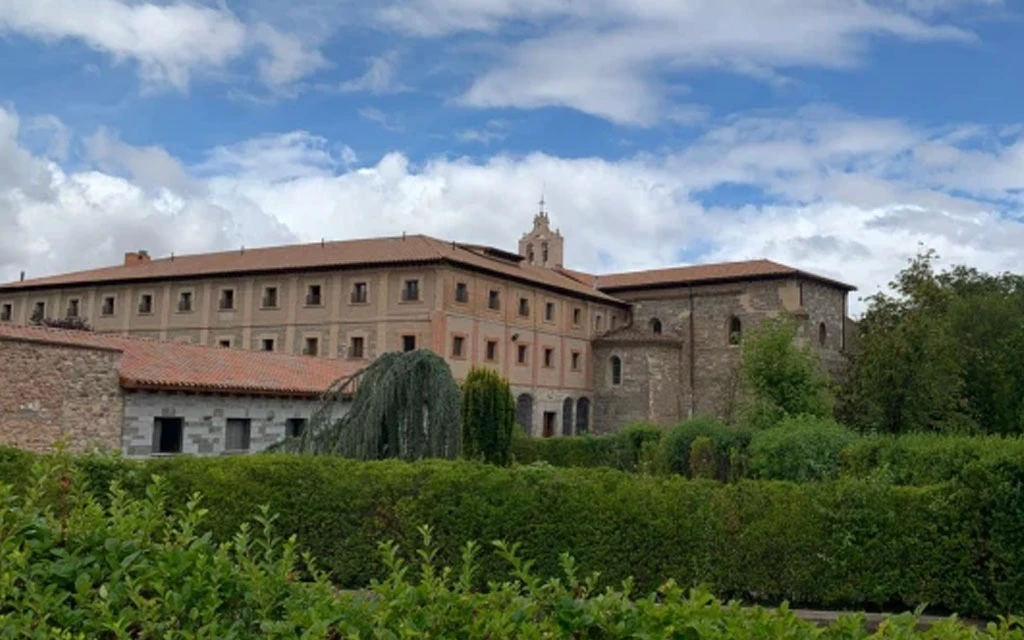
(458, 345)
(575, 360)
(267, 344)
(521, 352)
(598, 322)
(146, 303)
(408, 343)
(355, 349)
(311, 347)
(411, 291)
(224, 343)
(168, 435)
(227, 299)
(359, 293)
(577, 315)
(313, 298)
(549, 312)
(294, 427)
(72, 311)
(269, 297)
(549, 357)
(524, 307)
(108, 306)
(549, 423)
(6, 312)
(237, 434)
(461, 292)
(615, 321)
(39, 311)
(492, 350)
(493, 300)
(185, 301)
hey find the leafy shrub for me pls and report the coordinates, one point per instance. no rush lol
(631, 448)
(799, 449)
(632, 440)
(675, 446)
(922, 459)
(702, 458)
(843, 544)
(130, 570)
(488, 416)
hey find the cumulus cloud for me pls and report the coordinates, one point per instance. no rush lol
(844, 196)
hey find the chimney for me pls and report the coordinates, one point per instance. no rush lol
(23, 276)
(132, 258)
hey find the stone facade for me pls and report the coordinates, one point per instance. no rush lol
(204, 421)
(54, 393)
(545, 412)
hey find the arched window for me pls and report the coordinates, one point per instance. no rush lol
(544, 252)
(616, 370)
(567, 417)
(735, 330)
(822, 334)
(524, 412)
(582, 416)
(529, 253)
(656, 326)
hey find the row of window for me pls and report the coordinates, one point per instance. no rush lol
(522, 353)
(169, 433)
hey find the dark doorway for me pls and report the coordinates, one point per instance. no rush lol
(524, 412)
(567, 417)
(549, 423)
(168, 435)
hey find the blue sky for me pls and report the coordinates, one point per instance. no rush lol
(835, 135)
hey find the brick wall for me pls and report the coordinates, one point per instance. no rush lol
(54, 392)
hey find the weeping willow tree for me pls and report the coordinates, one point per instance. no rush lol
(405, 405)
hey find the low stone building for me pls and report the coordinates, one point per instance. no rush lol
(150, 397)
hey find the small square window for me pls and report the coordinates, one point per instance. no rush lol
(575, 360)
(411, 291)
(185, 301)
(294, 427)
(313, 298)
(524, 307)
(549, 311)
(359, 291)
(227, 299)
(267, 344)
(168, 435)
(311, 347)
(269, 297)
(408, 343)
(108, 306)
(577, 315)
(461, 292)
(38, 311)
(493, 299)
(458, 346)
(521, 352)
(237, 436)
(224, 343)
(146, 303)
(492, 350)
(355, 349)
(72, 308)
(6, 312)
(549, 357)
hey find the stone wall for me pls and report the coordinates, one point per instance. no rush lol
(553, 400)
(50, 393)
(650, 389)
(205, 419)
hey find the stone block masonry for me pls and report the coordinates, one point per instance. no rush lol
(50, 393)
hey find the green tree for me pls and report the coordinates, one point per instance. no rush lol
(780, 377)
(488, 416)
(406, 406)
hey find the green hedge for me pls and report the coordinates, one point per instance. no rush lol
(842, 544)
(799, 449)
(923, 459)
(622, 450)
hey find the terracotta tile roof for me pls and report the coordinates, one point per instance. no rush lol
(157, 364)
(707, 273)
(412, 249)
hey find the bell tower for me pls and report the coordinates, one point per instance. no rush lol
(542, 246)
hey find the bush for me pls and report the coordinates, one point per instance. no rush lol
(702, 458)
(922, 459)
(728, 443)
(799, 449)
(630, 449)
(488, 416)
(847, 543)
(131, 570)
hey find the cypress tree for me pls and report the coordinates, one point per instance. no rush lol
(488, 417)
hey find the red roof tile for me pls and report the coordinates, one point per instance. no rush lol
(158, 364)
(706, 273)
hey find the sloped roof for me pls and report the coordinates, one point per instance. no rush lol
(633, 333)
(374, 252)
(160, 364)
(705, 274)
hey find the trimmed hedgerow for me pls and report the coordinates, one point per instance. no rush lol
(799, 449)
(625, 450)
(729, 445)
(847, 544)
(922, 459)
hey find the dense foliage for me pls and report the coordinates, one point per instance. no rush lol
(406, 406)
(729, 446)
(800, 449)
(76, 567)
(488, 416)
(841, 544)
(940, 352)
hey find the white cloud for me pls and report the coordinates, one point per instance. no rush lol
(381, 77)
(849, 197)
(616, 59)
(374, 114)
(169, 41)
(493, 130)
